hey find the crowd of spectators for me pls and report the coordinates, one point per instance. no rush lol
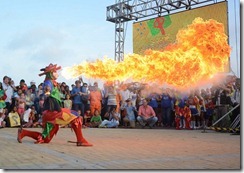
(125, 105)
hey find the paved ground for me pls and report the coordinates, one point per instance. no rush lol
(123, 149)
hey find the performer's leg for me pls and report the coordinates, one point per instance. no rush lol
(177, 122)
(76, 126)
(48, 127)
(92, 109)
(99, 107)
(22, 133)
(52, 133)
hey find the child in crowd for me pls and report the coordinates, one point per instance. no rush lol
(87, 117)
(41, 103)
(14, 118)
(96, 119)
(2, 116)
(34, 117)
(179, 114)
(31, 118)
(129, 114)
(29, 98)
(67, 102)
(21, 105)
(113, 120)
(3, 96)
(209, 109)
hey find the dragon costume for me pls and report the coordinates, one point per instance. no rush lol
(53, 114)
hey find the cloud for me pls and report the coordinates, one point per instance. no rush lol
(37, 37)
(40, 45)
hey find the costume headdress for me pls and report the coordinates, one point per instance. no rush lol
(50, 69)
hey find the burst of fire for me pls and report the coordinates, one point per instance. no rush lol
(201, 51)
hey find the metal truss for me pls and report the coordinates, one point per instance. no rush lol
(128, 10)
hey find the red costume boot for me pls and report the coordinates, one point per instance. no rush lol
(76, 126)
(34, 135)
(37, 135)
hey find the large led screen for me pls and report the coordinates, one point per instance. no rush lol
(161, 31)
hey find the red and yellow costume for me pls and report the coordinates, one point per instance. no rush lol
(182, 112)
(53, 114)
(187, 115)
(178, 116)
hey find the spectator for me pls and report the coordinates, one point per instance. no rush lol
(76, 95)
(146, 115)
(3, 96)
(87, 117)
(22, 86)
(9, 91)
(21, 105)
(32, 118)
(95, 99)
(67, 90)
(96, 119)
(39, 90)
(201, 121)
(140, 98)
(14, 118)
(68, 102)
(72, 86)
(209, 104)
(119, 100)
(129, 114)
(2, 117)
(62, 93)
(180, 121)
(134, 97)
(104, 100)
(166, 107)
(41, 104)
(33, 89)
(236, 101)
(112, 102)
(29, 98)
(85, 96)
(223, 101)
(95, 84)
(113, 120)
(125, 94)
(154, 103)
(194, 106)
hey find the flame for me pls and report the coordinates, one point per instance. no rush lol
(201, 51)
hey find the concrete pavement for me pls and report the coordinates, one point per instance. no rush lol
(123, 149)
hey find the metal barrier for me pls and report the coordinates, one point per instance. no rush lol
(233, 127)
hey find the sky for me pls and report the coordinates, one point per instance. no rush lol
(35, 33)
